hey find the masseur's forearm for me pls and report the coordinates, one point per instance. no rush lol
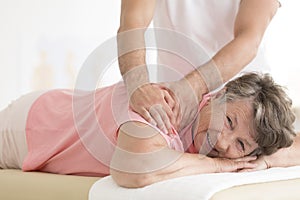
(229, 61)
(132, 57)
(286, 157)
(135, 17)
(133, 68)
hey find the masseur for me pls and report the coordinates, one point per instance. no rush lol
(230, 32)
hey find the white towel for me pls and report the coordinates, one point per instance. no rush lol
(197, 187)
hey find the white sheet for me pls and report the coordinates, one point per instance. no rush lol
(198, 187)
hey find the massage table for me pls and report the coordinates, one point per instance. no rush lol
(18, 185)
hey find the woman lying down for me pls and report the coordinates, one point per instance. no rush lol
(246, 126)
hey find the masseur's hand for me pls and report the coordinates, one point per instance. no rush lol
(187, 99)
(157, 105)
(234, 165)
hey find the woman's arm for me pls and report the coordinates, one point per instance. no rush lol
(142, 157)
(285, 157)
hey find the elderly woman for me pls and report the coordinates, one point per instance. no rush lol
(97, 134)
(250, 117)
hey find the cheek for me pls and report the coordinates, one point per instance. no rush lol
(233, 155)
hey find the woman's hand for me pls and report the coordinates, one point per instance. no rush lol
(234, 165)
(261, 164)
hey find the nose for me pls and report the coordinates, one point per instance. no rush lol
(224, 142)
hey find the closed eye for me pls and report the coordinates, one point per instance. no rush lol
(242, 145)
(229, 121)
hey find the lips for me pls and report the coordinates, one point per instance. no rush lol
(209, 141)
(207, 147)
(213, 152)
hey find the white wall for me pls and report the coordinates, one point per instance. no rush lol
(283, 44)
(57, 27)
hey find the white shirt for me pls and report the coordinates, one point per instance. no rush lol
(209, 23)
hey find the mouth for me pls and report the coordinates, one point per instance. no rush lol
(209, 141)
(213, 152)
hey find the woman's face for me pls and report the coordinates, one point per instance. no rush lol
(228, 132)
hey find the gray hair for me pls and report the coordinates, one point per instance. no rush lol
(273, 115)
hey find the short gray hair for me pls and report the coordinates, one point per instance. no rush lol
(273, 115)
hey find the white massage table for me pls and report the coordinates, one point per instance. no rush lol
(274, 183)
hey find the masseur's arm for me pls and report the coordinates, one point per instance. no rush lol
(152, 103)
(142, 157)
(251, 22)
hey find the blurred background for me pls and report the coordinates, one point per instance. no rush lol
(43, 43)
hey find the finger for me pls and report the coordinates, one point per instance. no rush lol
(169, 99)
(156, 116)
(177, 114)
(165, 118)
(242, 165)
(178, 119)
(176, 107)
(168, 107)
(168, 116)
(146, 115)
(246, 158)
(172, 101)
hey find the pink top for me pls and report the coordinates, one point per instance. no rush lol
(75, 132)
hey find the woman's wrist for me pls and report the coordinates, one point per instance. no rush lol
(279, 159)
(207, 164)
(286, 157)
